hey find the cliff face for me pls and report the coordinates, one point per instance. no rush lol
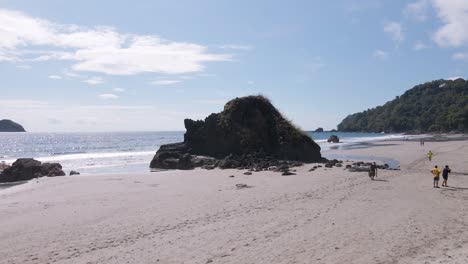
(437, 106)
(10, 126)
(247, 125)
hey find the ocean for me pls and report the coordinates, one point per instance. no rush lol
(121, 152)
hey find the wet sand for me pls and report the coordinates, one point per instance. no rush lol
(199, 216)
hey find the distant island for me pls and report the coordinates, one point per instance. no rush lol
(10, 126)
(437, 106)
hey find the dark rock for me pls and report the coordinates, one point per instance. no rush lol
(242, 186)
(52, 169)
(249, 130)
(27, 169)
(10, 126)
(333, 139)
(247, 173)
(209, 167)
(198, 161)
(348, 166)
(287, 173)
(74, 173)
(184, 162)
(319, 129)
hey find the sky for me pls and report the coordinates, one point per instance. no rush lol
(77, 66)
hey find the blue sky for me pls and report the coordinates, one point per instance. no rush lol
(147, 65)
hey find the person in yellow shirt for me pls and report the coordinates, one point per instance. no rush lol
(435, 174)
(429, 155)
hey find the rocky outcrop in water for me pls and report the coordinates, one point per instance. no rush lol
(10, 126)
(27, 169)
(249, 132)
(333, 139)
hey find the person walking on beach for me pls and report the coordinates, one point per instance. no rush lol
(429, 155)
(445, 173)
(435, 174)
(373, 171)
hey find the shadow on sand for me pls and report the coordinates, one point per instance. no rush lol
(450, 188)
(381, 180)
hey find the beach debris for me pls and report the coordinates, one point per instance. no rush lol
(242, 186)
(74, 173)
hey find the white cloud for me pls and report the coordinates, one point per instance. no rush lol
(460, 56)
(419, 46)
(395, 30)
(97, 49)
(454, 78)
(380, 54)
(237, 47)
(119, 90)
(108, 96)
(55, 77)
(94, 80)
(454, 15)
(165, 82)
(71, 74)
(417, 10)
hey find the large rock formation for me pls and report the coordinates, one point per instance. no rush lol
(247, 125)
(27, 169)
(10, 126)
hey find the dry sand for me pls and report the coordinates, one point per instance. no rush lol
(199, 216)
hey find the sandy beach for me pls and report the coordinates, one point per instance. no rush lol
(200, 216)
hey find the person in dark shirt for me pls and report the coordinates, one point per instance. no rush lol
(373, 171)
(445, 173)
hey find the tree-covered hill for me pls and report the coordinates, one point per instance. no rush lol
(437, 106)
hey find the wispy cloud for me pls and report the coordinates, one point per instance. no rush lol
(419, 46)
(165, 82)
(460, 56)
(108, 96)
(417, 10)
(119, 90)
(454, 15)
(380, 54)
(453, 78)
(237, 47)
(54, 77)
(94, 80)
(395, 30)
(24, 66)
(97, 49)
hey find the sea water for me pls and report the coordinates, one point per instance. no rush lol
(115, 152)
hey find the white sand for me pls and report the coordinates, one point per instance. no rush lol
(325, 216)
